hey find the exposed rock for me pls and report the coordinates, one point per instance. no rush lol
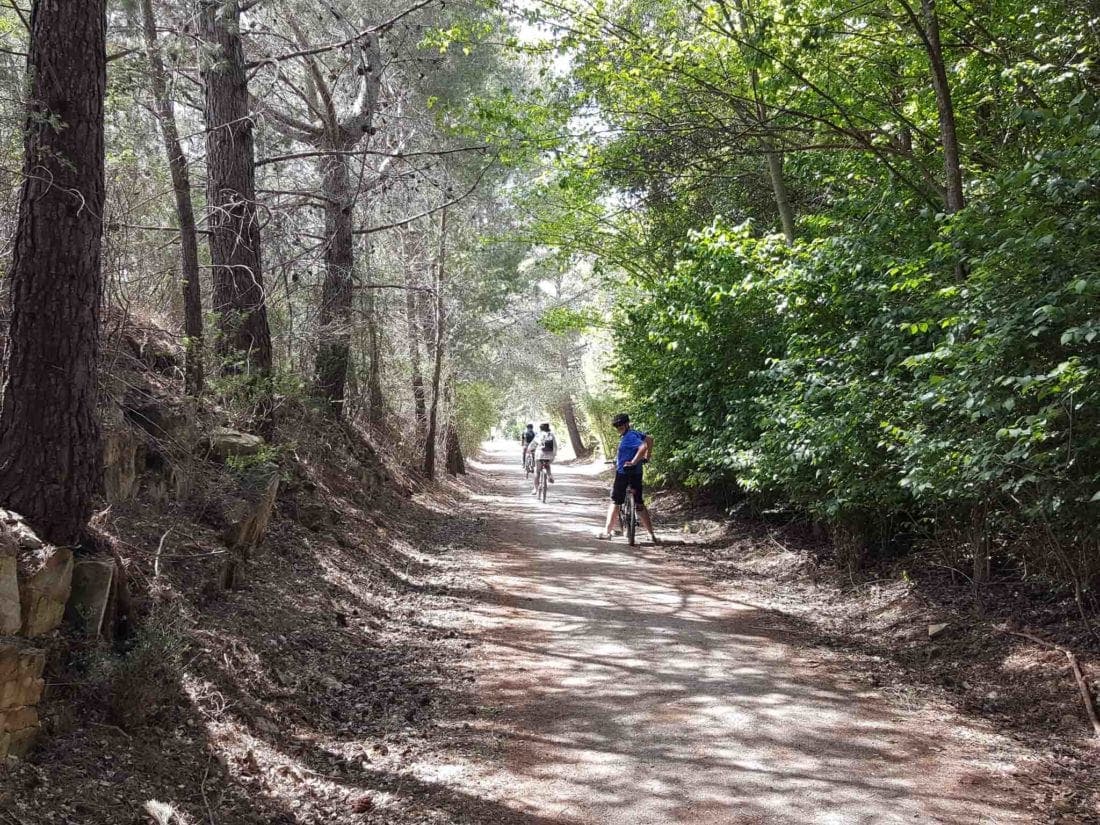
(935, 630)
(123, 454)
(19, 727)
(248, 517)
(45, 579)
(162, 419)
(150, 345)
(91, 594)
(24, 535)
(10, 611)
(222, 443)
(250, 514)
(21, 687)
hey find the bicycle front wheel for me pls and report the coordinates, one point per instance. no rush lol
(631, 519)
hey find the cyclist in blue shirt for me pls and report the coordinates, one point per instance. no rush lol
(634, 449)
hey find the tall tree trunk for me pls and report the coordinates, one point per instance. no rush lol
(437, 352)
(774, 156)
(185, 212)
(50, 453)
(928, 28)
(376, 405)
(244, 340)
(779, 190)
(412, 321)
(569, 413)
(336, 294)
(456, 463)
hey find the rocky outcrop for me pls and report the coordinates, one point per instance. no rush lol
(222, 443)
(45, 579)
(92, 588)
(123, 455)
(43, 574)
(11, 613)
(248, 516)
(21, 686)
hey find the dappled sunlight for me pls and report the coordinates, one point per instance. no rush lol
(634, 692)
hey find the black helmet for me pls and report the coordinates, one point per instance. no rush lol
(620, 420)
(530, 426)
(545, 426)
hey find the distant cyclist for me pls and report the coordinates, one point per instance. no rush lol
(545, 450)
(634, 449)
(525, 440)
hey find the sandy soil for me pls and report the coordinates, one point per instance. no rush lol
(625, 688)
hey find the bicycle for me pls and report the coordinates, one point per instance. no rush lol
(628, 517)
(528, 464)
(628, 513)
(541, 480)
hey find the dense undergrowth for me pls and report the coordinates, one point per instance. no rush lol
(856, 377)
(816, 303)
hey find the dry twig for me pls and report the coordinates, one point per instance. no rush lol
(1078, 675)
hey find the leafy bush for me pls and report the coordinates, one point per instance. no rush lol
(922, 369)
(477, 410)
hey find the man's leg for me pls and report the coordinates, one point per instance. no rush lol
(643, 511)
(612, 522)
(643, 516)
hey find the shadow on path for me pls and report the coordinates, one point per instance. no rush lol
(631, 691)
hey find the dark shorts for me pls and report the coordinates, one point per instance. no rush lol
(624, 480)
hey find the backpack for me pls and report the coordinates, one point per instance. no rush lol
(548, 443)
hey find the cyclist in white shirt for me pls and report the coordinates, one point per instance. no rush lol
(545, 450)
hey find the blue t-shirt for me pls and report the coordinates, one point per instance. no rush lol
(628, 447)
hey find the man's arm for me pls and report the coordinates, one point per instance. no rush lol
(642, 453)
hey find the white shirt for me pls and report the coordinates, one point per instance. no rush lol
(539, 452)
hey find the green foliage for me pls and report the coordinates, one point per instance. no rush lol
(859, 377)
(893, 362)
(599, 410)
(562, 320)
(478, 406)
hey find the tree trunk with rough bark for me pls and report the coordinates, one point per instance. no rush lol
(928, 27)
(437, 353)
(569, 413)
(190, 286)
(376, 402)
(456, 464)
(244, 340)
(50, 452)
(412, 321)
(334, 346)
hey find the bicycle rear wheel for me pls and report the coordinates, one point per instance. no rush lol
(543, 474)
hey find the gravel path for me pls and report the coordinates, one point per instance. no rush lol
(626, 689)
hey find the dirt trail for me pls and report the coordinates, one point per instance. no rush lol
(629, 690)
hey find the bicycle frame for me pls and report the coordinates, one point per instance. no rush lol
(628, 517)
(541, 479)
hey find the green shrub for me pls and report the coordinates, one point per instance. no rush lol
(477, 410)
